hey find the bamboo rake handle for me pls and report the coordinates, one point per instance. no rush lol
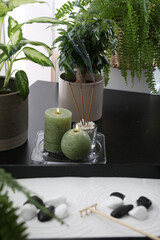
(124, 224)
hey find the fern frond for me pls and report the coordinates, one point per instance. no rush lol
(68, 7)
(106, 71)
(9, 226)
(138, 27)
(150, 80)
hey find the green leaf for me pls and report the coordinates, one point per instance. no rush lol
(9, 50)
(36, 43)
(37, 57)
(3, 58)
(15, 37)
(21, 81)
(16, 3)
(53, 21)
(3, 9)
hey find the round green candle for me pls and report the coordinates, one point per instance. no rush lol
(76, 144)
(57, 122)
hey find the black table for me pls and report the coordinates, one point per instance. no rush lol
(130, 123)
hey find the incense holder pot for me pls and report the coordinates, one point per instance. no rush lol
(91, 129)
(67, 101)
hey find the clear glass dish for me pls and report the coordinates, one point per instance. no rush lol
(41, 156)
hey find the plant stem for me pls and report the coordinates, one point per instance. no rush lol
(8, 74)
(1, 25)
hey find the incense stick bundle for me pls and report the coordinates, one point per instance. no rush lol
(82, 103)
(75, 101)
(90, 107)
(92, 208)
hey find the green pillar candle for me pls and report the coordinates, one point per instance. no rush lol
(57, 122)
(76, 144)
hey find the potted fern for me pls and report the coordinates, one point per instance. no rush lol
(137, 24)
(14, 91)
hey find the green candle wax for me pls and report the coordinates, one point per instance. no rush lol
(56, 124)
(76, 144)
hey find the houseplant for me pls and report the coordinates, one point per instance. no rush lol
(14, 91)
(85, 47)
(137, 24)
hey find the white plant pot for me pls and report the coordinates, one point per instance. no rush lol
(66, 99)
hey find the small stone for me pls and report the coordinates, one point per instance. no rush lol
(121, 211)
(56, 201)
(61, 211)
(139, 213)
(36, 199)
(143, 201)
(114, 202)
(43, 217)
(118, 194)
(28, 212)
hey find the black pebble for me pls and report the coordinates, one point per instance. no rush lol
(121, 211)
(43, 217)
(118, 194)
(143, 201)
(36, 199)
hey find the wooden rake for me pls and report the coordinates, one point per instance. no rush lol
(92, 209)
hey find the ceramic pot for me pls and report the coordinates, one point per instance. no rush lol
(13, 118)
(66, 98)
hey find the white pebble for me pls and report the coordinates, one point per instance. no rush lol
(61, 211)
(114, 202)
(28, 212)
(56, 201)
(139, 213)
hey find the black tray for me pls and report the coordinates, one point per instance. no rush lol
(80, 170)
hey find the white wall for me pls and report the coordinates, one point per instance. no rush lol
(117, 82)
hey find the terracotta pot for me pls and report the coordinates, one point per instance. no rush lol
(13, 118)
(66, 98)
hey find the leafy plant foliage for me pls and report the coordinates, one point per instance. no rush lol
(86, 43)
(137, 24)
(10, 52)
(10, 228)
(69, 7)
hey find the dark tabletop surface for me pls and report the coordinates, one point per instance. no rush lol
(130, 123)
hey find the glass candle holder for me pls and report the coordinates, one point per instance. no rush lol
(91, 129)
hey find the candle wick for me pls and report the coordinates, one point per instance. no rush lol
(75, 130)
